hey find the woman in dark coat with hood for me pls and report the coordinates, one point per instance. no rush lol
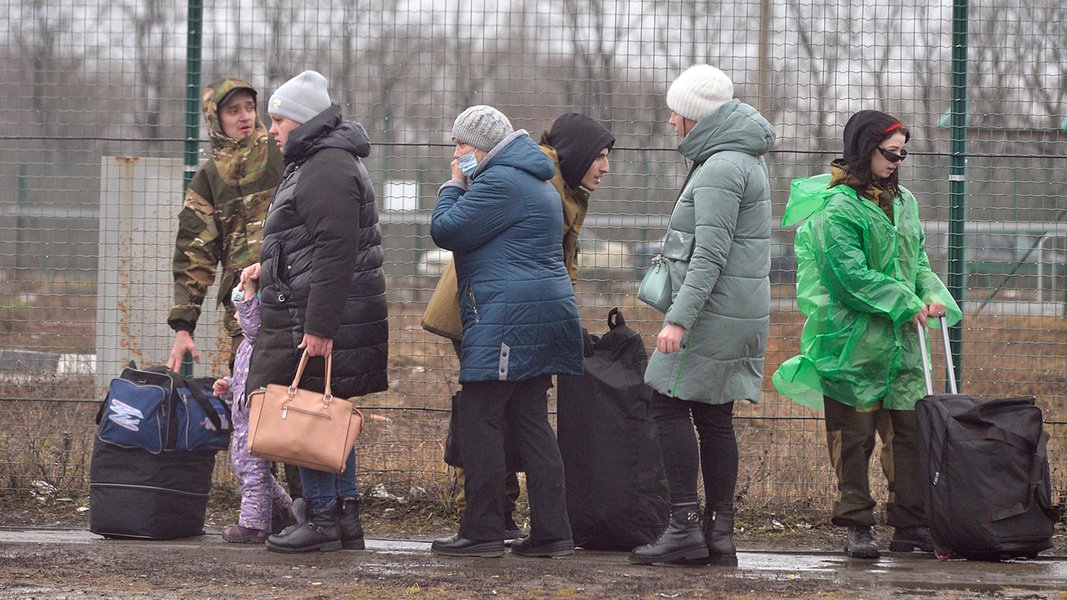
(322, 287)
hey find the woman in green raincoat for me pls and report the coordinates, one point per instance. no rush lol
(864, 281)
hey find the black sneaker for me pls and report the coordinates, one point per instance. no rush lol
(531, 548)
(861, 542)
(906, 539)
(512, 531)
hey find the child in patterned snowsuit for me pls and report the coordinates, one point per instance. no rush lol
(263, 500)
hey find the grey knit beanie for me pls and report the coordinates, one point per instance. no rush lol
(482, 126)
(300, 98)
(698, 91)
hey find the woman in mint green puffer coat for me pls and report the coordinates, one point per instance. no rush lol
(718, 246)
(710, 351)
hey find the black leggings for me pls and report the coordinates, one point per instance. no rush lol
(716, 456)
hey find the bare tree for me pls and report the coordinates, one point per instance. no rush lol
(472, 70)
(380, 56)
(931, 89)
(281, 55)
(1045, 74)
(819, 56)
(153, 33)
(52, 62)
(593, 40)
(1020, 55)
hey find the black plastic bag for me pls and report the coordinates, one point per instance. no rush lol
(617, 495)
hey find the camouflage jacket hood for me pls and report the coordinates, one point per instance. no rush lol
(238, 161)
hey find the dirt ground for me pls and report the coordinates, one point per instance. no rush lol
(59, 558)
(213, 570)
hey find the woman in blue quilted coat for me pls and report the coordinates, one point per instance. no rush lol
(502, 219)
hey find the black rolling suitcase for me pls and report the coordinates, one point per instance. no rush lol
(988, 489)
(615, 482)
(154, 454)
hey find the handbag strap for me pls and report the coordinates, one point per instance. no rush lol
(663, 242)
(329, 372)
(327, 394)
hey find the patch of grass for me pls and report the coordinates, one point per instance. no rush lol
(54, 316)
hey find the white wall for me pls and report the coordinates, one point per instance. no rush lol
(139, 203)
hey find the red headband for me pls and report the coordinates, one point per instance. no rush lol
(893, 126)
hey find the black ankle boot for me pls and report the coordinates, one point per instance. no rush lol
(719, 533)
(861, 542)
(682, 542)
(351, 528)
(321, 533)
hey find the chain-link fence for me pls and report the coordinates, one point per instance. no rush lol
(101, 128)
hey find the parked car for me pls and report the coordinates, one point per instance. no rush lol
(432, 262)
(603, 260)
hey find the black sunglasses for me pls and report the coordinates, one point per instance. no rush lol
(893, 157)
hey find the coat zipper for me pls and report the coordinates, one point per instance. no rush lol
(474, 303)
(681, 369)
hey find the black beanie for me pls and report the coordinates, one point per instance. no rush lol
(866, 130)
(578, 140)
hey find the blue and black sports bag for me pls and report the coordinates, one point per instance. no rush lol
(160, 410)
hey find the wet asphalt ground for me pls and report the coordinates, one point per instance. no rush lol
(894, 575)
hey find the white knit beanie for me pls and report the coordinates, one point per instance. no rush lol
(698, 91)
(482, 126)
(301, 98)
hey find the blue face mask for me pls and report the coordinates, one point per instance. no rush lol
(468, 163)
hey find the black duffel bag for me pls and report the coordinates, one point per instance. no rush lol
(154, 454)
(988, 487)
(616, 484)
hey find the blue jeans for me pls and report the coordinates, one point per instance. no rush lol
(322, 489)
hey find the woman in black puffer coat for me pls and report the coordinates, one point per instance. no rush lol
(322, 287)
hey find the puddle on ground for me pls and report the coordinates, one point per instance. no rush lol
(909, 571)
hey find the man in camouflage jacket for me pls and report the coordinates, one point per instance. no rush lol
(226, 203)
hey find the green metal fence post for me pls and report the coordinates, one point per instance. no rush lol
(957, 276)
(193, 42)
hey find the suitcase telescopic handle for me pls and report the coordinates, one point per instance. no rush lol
(926, 357)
